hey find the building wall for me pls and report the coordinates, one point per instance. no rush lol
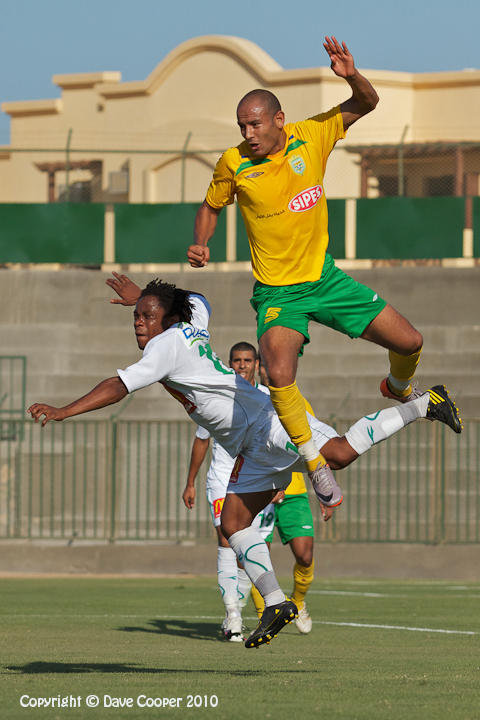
(192, 94)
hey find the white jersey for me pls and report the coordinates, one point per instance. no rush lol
(221, 464)
(238, 416)
(212, 394)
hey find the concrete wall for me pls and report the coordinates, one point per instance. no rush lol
(361, 560)
(73, 337)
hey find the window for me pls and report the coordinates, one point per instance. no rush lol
(439, 186)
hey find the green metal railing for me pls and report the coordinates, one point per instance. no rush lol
(123, 480)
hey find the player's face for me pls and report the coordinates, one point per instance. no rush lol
(148, 319)
(244, 364)
(263, 133)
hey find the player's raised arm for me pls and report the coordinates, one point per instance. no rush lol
(206, 218)
(105, 393)
(364, 97)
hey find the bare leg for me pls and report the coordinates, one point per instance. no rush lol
(239, 510)
(302, 549)
(392, 331)
(279, 348)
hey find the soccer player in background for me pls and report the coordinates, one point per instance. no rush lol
(170, 325)
(276, 175)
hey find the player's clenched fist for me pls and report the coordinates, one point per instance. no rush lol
(50, 413)
(198, 255)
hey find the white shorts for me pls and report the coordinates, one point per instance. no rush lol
(216, 492)
(268, 458)
(264, 522)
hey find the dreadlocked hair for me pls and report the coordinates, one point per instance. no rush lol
(175, 301)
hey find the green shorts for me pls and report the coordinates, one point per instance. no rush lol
(336, 300)
(293, 518)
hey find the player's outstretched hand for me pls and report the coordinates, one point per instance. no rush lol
(48, 411)
(327, 512)
(188, 497)
(198, 255)
(128, 291)
(341, 60)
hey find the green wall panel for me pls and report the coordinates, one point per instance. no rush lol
(243, 248)
(52, 232)
(476, 226)
(161, 233)
(410, 227)
(336, 229)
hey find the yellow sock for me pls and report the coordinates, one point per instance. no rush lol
(290, 406)
(302, 579)
(402, 370)
(257, 601)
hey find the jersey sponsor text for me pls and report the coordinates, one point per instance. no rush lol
(306, 199)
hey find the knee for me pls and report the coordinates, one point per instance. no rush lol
(227, 529)
(418, 341)
(414, 343)
(281, 372)
(305, 557)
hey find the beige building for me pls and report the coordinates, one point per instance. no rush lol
(157, 140)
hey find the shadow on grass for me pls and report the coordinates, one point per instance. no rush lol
(40, 668)
(180, 628)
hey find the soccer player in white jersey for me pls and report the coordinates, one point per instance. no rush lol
(233, 581)
(171, 328)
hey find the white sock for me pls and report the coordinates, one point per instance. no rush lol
(252, 551)
(227, 577)
(243, 588)
(308, 451)
(378, 426)
(397, 385)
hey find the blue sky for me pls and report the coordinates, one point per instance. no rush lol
(40, 39)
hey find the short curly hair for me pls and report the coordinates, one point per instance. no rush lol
(174, 301)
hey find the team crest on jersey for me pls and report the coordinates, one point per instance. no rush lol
(254, 175)
(297, 163)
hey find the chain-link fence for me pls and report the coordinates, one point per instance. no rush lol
(123, 480)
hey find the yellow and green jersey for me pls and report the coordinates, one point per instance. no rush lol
(297, 484)
(282, 200)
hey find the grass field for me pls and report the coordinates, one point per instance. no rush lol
(378, 649)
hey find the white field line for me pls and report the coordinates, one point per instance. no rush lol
(218, 618)
(383, 595)
(353, 592)
(398, 627)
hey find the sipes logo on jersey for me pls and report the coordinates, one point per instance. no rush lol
(306, 199)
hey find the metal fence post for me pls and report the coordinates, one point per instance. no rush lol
(67, 165)
(113, 480)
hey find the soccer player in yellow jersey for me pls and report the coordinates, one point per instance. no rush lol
(276, 174)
